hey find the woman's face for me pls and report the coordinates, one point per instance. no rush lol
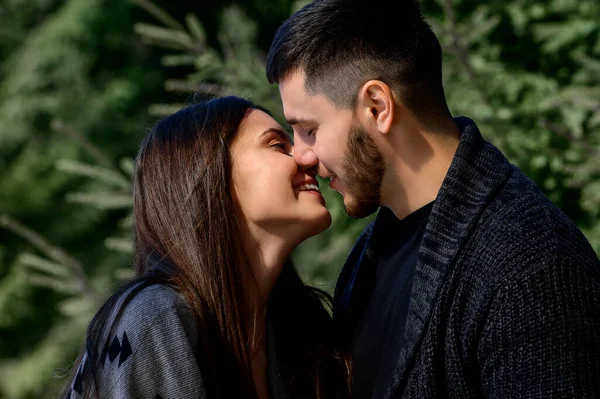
(274, 195)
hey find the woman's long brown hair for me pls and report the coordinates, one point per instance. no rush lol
(187, 234)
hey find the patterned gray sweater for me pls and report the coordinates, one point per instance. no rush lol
(152, 349)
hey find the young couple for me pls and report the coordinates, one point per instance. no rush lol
(469, 284)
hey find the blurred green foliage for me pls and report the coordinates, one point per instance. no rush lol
(82, 79)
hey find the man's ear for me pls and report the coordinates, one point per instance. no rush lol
(376, 105)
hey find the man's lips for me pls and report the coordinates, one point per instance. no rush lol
(336, 185)
(332, 181)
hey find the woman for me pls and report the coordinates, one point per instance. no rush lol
(216, 309)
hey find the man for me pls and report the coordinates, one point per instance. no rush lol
(470, 283)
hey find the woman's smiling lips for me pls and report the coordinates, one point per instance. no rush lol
(310, 186)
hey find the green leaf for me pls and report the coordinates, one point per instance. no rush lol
(158, 13)
(104, 175)
(556, 35)
(126, 165)
(178, 60)
(119, 244)
(101, 200)
(60, 286)
(43, 265)
(162, 110)
(195, 27)
(164, 37)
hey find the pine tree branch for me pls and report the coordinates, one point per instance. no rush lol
(212, 89)
(181, 86)
(107, 176)
(457, 42)
(196, 28)
(127, 166)
(162, 110)
(119, 244)
(39, 242)
(562, 132)
(62, 286)
(44, 265)
(175, 60)
(185, 86)
(461, 52)
(60, 127)
(101, 200)
(59, 255)
(166, 37)
(158, 13)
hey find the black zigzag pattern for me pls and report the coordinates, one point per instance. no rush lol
(117, 348)
(78, 383)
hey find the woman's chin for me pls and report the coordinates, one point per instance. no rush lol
(318, 224)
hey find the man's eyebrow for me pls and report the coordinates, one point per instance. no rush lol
(296, 121)
(283, 135)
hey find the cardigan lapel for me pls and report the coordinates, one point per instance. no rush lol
(354, 287)
(476, 172)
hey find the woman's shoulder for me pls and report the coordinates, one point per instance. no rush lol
(148, 347)
(151, 313)
(146, 300)
(147, 305)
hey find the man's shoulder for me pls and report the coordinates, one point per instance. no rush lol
(521, 229)
(520, 208)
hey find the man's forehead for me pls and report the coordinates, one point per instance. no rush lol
(293, 78)
(293, 93)
(300, 109)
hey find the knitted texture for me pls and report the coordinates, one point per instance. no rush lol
(151, 351)
(506, 295)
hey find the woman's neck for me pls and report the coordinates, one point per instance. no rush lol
(260, 373)
(267, 255)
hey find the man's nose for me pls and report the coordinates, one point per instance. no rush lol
(305, 156)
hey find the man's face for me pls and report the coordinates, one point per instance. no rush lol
(330, 140)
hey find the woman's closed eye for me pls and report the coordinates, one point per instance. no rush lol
(283, 147)
(278, 145)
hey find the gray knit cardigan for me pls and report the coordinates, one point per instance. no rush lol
(506, 294)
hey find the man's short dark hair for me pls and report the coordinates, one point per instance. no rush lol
(341, 44)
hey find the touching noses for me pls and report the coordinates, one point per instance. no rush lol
(304, 156)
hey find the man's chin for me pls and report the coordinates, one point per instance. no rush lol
(358, 209)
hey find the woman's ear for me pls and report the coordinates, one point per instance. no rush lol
(375, 105)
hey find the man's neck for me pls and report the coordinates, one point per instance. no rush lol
(417, 164)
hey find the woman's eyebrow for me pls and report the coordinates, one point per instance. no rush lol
(283, 135)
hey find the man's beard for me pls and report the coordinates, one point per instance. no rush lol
(364, 168)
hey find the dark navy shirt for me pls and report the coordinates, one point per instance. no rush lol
(378, 335)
